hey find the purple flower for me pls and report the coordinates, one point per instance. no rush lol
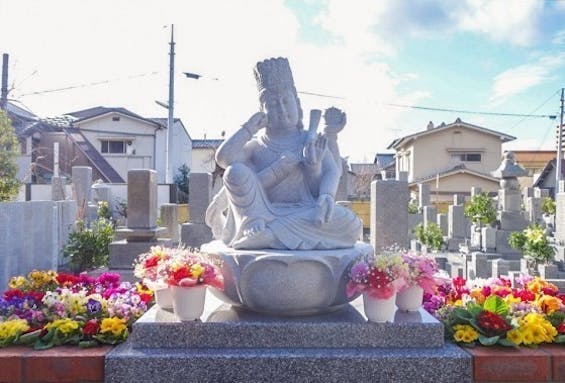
(359, 271)
(93, 306)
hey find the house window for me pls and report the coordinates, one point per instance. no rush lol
(113, 146)
(467, 157)
(116, 118)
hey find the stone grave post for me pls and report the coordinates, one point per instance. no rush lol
(196, 232)
(560, 223)
(389, 214)
(423, 195)
(429, 215)
(82, 181)
(141, 231)
(170, 220)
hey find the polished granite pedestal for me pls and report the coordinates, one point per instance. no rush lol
(233, 345)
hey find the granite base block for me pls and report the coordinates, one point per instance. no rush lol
(446, 364)
(235, 328)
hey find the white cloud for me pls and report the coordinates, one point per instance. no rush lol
(559, 37)
(513, 21)
(518, 79)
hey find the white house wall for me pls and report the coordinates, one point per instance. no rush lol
(202, 161)
(181, 147)
(140, 153)
(433, 151)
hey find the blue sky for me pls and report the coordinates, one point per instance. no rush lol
(498, 56)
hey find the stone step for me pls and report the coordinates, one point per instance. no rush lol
(444, 364)
(227, 327)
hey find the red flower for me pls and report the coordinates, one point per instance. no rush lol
(65, 279)
(13, 293)
(91, 328)
(181, 273)
(151, 262)
(379, 279)
(492, 324)
(524, 295)
(36, 295)
(561, 328)
(550, 290)
(146, 297)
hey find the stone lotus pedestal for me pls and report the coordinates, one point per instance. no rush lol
(285, 282)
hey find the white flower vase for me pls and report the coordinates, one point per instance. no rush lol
(164, 297)
(379, 310)
(410, 299)
(188, 302)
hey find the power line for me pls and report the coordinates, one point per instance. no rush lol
(535, 110)
(88, 84)
(550, 116)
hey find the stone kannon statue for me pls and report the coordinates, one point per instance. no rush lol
(280, 179)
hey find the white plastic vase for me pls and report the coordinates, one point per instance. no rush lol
(188, 302)
(164, 297)
(379, 310)
(410, 299)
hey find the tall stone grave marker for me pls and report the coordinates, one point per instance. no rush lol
(389, 214)
(82, 181)
(141, 232)
(423, 195)
(196, 232)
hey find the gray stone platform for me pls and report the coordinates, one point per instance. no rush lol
(232, 345)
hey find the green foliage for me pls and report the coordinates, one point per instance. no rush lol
(548, 206)
(181, 180)
(103, 210)
(430, 235)
(533, 242)
(9, 149)
(121, 207)
(413, 208)
(481, 209)
(88, 247)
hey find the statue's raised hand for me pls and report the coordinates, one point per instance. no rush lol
(314, 150)
(256, 122)
(334, 120)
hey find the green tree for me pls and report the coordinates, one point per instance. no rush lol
(9, 149)
(181, 180)
(481, 209)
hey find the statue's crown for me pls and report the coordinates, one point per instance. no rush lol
(273, 74)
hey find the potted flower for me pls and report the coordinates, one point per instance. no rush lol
(377, 278)
(533, 242)
(146, 267)
(188, 273)
(418, 279)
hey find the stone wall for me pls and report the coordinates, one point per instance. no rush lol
(32, 235)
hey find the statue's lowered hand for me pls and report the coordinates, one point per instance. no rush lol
(256, 122)
(324, 209)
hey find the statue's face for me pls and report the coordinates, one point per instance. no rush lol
(282, 110)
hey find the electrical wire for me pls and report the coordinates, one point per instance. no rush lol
(550, 116)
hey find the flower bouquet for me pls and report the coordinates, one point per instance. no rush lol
(146, 267)
(490, 312)
(49, 309)
(377, 278)
(419, 278)
(187, 273)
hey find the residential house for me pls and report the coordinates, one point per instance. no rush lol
(451, 158)
(21, 120)
(111, 141)
(534, 161)
(547, 177)
(203, 152)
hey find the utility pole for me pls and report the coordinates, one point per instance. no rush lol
(170, 119)
(558, 176)
(4, 89)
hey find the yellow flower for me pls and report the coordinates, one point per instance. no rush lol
(12, 328)
(65, 325)
(515, 336)
(196, 270)
(114, 325)
(17, 282)
(465, 333)
(549, 304)
(478, 296)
